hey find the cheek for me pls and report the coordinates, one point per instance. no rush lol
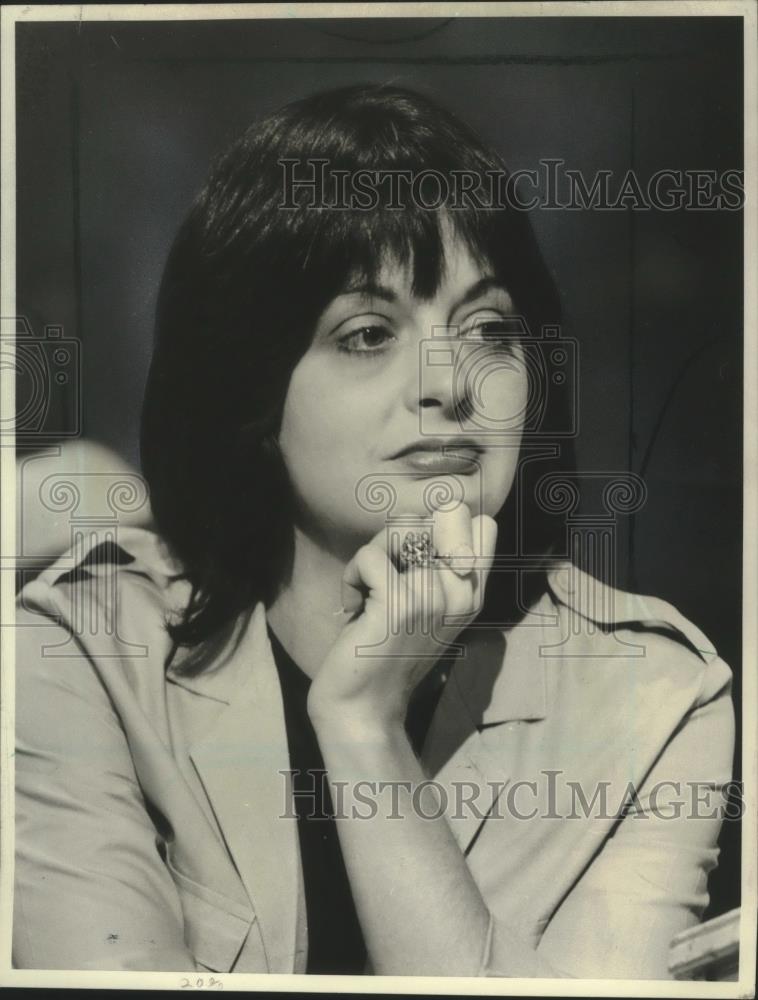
(501, 406)
(309, 412)
(500, 396)
(320, 419)
(299, 429)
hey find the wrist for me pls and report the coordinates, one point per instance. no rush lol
(351, 723)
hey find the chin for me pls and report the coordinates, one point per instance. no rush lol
(445, 492)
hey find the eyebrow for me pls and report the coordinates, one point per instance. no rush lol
(479, 288)
(372, 290)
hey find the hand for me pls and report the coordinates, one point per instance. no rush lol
(401, 618)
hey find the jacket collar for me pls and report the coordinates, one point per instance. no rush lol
(592, 599)
(500, 674)
(223, 678)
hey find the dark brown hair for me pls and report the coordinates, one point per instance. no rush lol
(243, 286)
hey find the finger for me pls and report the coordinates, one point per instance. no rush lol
(453, 539)
(422, 598)
(484, 531)
(415, 597)
(484, 537)
(354, 588)
(370, 571)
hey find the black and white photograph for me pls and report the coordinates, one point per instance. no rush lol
(379, 497)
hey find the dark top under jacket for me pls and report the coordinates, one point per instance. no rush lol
(335, 939)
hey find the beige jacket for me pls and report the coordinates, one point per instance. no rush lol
(149, 806)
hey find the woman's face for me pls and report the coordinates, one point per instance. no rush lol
(396, 394)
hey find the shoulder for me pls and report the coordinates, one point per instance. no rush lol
(634, 631)
(112, 573)
(103, 604)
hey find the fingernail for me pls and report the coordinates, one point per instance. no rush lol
(462, 560)
(463, 551)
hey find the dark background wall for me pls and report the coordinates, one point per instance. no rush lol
(117, 123)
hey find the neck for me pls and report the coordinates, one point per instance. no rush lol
(303, 612)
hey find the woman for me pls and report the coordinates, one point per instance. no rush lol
(337, 404)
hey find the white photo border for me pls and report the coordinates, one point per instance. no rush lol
(745, 986)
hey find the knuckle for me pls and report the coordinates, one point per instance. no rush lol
(371, 556)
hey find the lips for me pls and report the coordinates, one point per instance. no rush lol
(438, 463)
(439, 457)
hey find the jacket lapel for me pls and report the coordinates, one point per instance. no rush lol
(499, 678)
(240, 761)
(454, 757)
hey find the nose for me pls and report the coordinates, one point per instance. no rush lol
(436, 380)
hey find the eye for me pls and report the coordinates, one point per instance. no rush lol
(370, 339)
(502, 331)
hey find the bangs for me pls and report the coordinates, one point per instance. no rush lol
(345, 247)
(277, 225)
